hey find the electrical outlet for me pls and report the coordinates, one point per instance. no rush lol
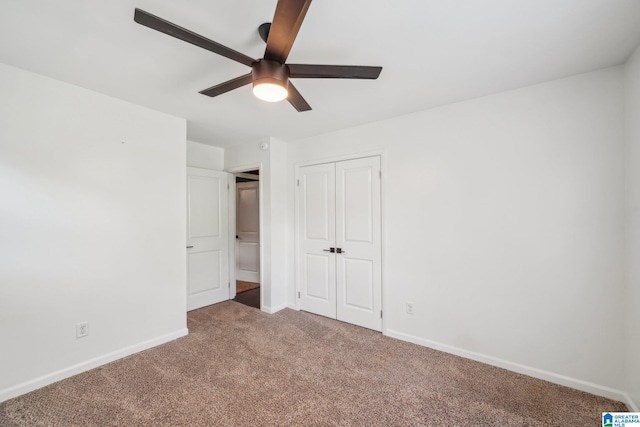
(409, 308)
(82, 329)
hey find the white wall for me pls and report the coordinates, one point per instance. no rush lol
(92, 228)
(273, 195)
(503, 225)
(632, 156)
(205, 156)
(279, 224)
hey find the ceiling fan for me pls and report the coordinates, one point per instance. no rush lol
(269, 75)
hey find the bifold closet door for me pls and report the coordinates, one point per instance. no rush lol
(358, 232)
(317, 236)
(340, 241)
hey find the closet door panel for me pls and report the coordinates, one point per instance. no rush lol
(317, 265)
(358, 235)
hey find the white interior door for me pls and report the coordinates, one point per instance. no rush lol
(207, 238)
(339, 232)
(358, 231)
(248, 231)
(317, 235)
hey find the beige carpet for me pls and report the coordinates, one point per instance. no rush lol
(242, 367)
(245, 286)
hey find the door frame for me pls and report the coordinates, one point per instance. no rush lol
(232, 226)
(383, 226)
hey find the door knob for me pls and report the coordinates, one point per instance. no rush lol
(332, 250)
(189, 247)
(340, 251)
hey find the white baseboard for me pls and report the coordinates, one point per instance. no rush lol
(246, 276)
(630, 403)
(275, 309)
(36, 383)
(577, 384)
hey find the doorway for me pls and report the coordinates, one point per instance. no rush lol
(247, 238)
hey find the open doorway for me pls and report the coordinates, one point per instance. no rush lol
(247, 238)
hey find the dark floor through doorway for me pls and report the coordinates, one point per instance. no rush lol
(250, 298)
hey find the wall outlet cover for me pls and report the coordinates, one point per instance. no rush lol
(82, 329)
(409, 308)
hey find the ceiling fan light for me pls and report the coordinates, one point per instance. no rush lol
(270, 92)
(270, 80)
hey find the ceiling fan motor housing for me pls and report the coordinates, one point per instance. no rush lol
(268, 71)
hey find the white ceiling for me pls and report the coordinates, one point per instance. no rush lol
(434, 52)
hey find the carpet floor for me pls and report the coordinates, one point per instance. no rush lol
(242, 367)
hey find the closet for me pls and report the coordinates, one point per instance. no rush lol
(339, 241)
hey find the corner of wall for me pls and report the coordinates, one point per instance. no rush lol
(632, 225)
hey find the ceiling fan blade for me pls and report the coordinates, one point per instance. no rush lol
(228, 85)
(284, 28)
(297, 100)
(306, 71)
(159, 24)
